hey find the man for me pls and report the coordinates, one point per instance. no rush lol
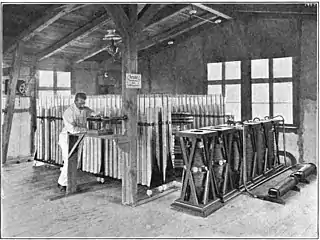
(74, 120)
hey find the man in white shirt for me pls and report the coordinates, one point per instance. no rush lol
(74, 120)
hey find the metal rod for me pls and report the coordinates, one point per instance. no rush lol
(193, 15)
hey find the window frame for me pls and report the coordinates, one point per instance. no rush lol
(271, 80)
(223, 82)
(54, 88)
(246, 88)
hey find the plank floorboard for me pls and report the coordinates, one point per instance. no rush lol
(28, 212)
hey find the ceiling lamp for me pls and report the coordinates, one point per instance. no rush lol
(113, 48)
(112, 35)
(170, 42)
(192, 11)
(218, 21)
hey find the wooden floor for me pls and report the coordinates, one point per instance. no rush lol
(29, 209)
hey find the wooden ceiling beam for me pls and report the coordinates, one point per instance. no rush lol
(121, 20)
(75, 36)
(51, 15)
(167, 17)
(147, 15)
(141, 7)
(119, 17)
(182, 28)
(211, 10)
(93, 52)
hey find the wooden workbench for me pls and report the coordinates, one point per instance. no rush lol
(75, 148)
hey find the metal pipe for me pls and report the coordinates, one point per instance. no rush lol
(284, 138)
(244, 160)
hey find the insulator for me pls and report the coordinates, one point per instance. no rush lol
(249, 154)
(194, 169)
(261, 148)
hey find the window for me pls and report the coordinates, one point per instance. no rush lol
(46, 79)
(54, 83)
(271, 82)
(272, 88)
(225, 78)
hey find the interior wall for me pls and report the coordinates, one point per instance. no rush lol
(19, 141)
(90, 77)
(308, 93)
(84, 78)
(182, 68)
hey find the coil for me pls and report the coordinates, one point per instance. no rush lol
(235, 157)
(261, 149)
(198, 177)
(249, 154)
(218, 164)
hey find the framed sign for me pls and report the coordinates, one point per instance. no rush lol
(133, 80)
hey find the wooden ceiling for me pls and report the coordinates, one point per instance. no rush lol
(75, 31)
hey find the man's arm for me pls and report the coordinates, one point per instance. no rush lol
(70, 123)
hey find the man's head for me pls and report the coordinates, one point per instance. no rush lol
(80, 100)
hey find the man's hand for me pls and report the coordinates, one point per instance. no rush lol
(96, 114)
(83, 130)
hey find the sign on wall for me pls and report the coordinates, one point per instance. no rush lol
(133, 80)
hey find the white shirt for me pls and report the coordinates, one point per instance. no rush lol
(75, 121)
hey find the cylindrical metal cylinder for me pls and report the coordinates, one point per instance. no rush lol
(283, 187)
(305, 170)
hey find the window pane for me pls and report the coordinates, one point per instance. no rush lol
(233, 93)
(260, 110)
(46, 78)
(282, 67)
(260, 93)
(234, 109)
(260, 68)
(63, 79)
(233, 70)
(214, 71)
(214, 89)
(64, 93)
(282, 92)
(285, 110)
(45, 94)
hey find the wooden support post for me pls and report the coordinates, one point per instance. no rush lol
(33, 104)
(129, 101)
(129, 27)
(75, 149)
(126, 24)
(8, 116)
